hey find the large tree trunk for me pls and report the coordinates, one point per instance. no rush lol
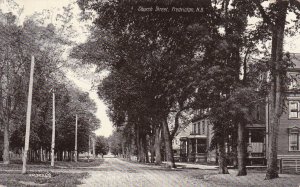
(140, 139)
(123, 149)
(6, 159)
(222, 158)
(152, 147)
(1, 104)
(176, 124)
(128, 152)
(69, 156)
(142, 150)
(241, 150)
(145, 149)
(234, 156)
(41, 154)
(276, 96)
(5, 120)
(168, 145)
(157, 146)
(137, 145)
(272, 170)
(234, 146)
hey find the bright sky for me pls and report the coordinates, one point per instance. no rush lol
(86, 85)
(32, 6)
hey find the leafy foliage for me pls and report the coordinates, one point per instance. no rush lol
(46, 42)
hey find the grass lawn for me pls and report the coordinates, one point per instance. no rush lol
(15, 178)
(42, 174)
(81, 163)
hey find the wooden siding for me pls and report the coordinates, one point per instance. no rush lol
(290, 165)
(283, 135)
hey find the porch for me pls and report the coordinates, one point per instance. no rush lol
(256, 147)
(193, 149)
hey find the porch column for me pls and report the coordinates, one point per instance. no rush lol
(180, 148)
(249, 145)
(186, 147)
(264, 146)
(267, 125)
(249, 136)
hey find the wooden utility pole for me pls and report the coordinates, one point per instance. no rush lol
(75, 159)
(28, 116)
(53, 131)
(94, 147)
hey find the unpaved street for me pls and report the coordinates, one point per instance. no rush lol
(117, 173)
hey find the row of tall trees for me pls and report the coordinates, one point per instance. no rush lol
(101, 145)
(46, 42)
(163, 65)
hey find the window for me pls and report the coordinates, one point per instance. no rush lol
(294, 109)
(294, 141)
(294, 80)
(199, 127)
(201, 146)
(193, 143)
(257, 135)
(194, 128)
(183, 148)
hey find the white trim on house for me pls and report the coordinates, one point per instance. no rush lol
(294, 131)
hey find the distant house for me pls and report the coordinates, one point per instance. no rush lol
(192, 143)
(195, 139)
(256, 136)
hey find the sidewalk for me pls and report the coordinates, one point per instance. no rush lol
(252, 180)
(190, 165)
(195, 174)
(195, 166)
(209, 176)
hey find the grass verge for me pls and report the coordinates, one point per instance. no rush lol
(42, 174)
(15, 179)
(81, 163)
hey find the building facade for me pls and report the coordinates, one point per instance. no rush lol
(192, 144)
(194, 141)
(289, 128)
(195, 146)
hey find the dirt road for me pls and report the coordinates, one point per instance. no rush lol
(117, 173)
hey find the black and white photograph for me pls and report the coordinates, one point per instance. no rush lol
(150, 93)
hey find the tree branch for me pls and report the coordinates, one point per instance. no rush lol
(245, 64)
(176, 124)
(263, 13)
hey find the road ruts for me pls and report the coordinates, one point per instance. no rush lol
(117, 173)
